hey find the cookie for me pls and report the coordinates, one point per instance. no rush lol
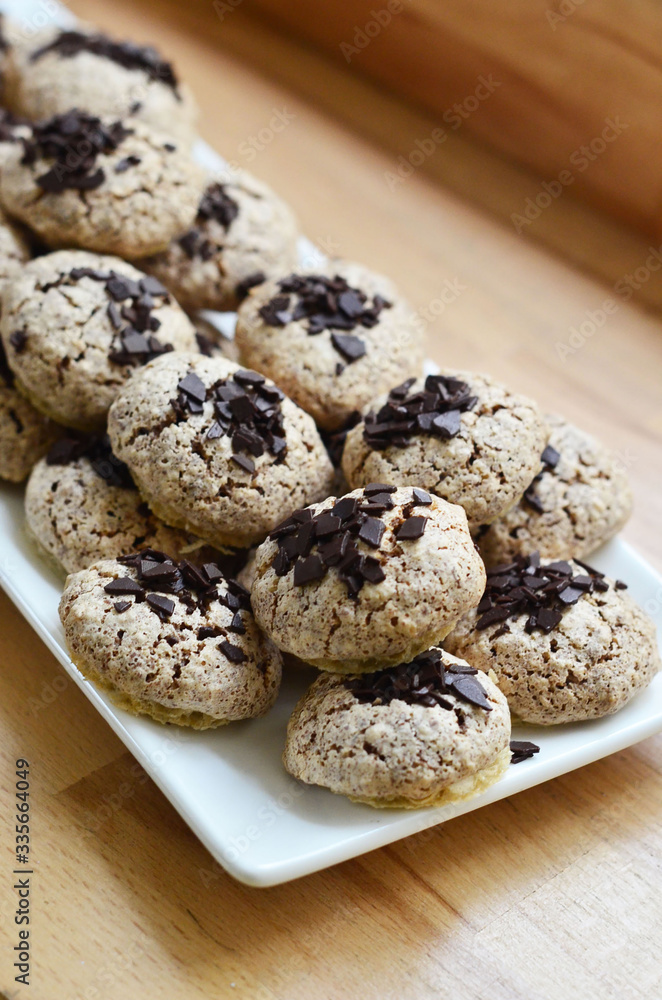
(14, 249)
(55, 70)
(12, 131)
(565, 643)
(242, 235)
(81, 506)
(217, 450)
(170, 641)
(424, 733)
(366, 581)
(111, 185)
(461, 435)
(75, 326)
(580, 499)
(25, 433)
(332, 340)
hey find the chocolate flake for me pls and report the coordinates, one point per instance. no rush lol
(522, 750)
(334, 534)
(127, 54)
(96, 449)
(327, 304)
(121, 606)
(73, 140)
(251, 281)
(434, 411)
(427, 680)
(18, 339)
(550, 458)
(215, 204)
(233, 653)
(542, 593)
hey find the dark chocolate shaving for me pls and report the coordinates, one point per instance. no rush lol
(252, 281)
(522, 750)
(541, 592)
(550, 458)
(245, 409)
(327, 304)
(126, 54)
(427, 680)
(215, 204)
(96, 449)
(73, 140)
(434, 411)
(312, 544)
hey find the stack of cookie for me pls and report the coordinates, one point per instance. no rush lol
(358, 500)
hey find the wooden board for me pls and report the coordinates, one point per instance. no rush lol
(553, 893)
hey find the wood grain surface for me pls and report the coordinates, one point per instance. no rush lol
(553, 893)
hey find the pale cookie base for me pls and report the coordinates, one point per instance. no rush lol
(431, 638)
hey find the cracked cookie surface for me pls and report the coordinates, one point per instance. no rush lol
(428, 583)
(182, 461)
(328, 382)
(59, 335)
(398, 754)
(243, 233)
(148, 190)
(53, 70)
(485, 467)
(169, 667)
(576, 505)
(602, 652)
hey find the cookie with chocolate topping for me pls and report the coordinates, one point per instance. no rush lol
(170, 640)
(370, 579)
(423, 733)
(75, 325)
(56, 69)
(565, 642)
(331, 338)
(216, 449)
(81, 506)
(579, 500)
(461, 435)
(25, 433)
(111, 185)
(242, 235)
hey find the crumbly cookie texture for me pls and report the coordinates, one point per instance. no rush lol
(336, 370)
(76, 517)
(55, 69)
(426, 584)
(602, 652)
(574, 505)
(60, 338)
(189, 667)
(14, 249)
(485, 467)
(242, 235)
(182, 460)
(132, 201)
(399, 754)
(25, 433)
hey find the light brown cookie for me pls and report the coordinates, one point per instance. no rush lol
(25, 433)
(461, 435)
(242, 235)
(81, 506)
(580, 499)
(170, 641)
(14, 249)
(217, 450)
(75, 325)
(570, 646)
(111, 185)
(420, 734)
(55, 69)
(369, 580)
(332, 339)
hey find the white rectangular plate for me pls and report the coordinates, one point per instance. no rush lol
(229, 784)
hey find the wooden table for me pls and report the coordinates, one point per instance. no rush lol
(553, 893)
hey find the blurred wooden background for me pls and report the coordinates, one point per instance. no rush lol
(552, 893)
